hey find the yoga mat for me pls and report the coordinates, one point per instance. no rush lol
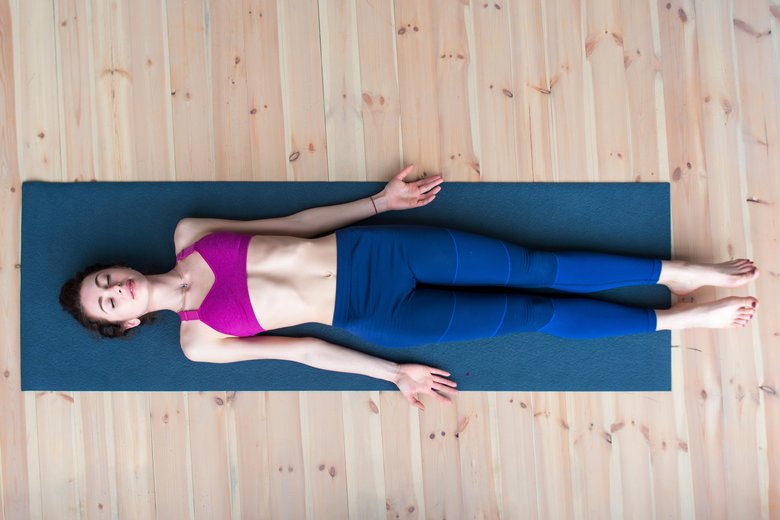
(67, 226)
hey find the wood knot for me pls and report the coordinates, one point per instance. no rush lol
(219, 401)
(294, 156)
(682, 15)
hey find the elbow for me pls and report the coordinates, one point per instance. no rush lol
(195, 354)
(302, 227)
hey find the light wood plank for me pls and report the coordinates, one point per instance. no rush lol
(566, 60)
(380, 104)
(692, 241)
(232, 153)
(113, 91)
(476, 462)
(324, 467)
(440, 426)
(249, 415)
(172, 493)
(450, 39)
(494, 93)
(364, 460)
(264, 90)
(341, 87)
(14, 473)
(739, 385)
(302, 94)
(604, 60)
(642, 75)
(209, 453)
(593, 440)
(40, 150)
(93, 455)
(285, 456)
(153, 127)
(514, 411)
(189, 91)
(757, 81)
(73, 62)
(553, 457)
(401, 449)
(531, 88)
(417, 85)
(135, 463)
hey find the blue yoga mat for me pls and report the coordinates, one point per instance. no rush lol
(66, 227)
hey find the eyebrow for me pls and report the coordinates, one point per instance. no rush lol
(100, 300)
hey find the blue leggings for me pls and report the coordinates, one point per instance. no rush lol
(390, 279)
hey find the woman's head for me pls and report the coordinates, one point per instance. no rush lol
(109, 300)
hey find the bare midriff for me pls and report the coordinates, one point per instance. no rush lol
(292, 280)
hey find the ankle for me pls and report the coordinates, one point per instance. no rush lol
(675, 318)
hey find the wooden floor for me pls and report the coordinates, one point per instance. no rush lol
(494, 90)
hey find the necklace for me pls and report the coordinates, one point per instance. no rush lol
(182, 286)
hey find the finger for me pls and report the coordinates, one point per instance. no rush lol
(445, 381)
(438, 371)
(442, 388)
(406, 171)
(427, 184)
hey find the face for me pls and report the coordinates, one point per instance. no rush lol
(115, 294)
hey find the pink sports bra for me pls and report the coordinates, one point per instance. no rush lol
(227, 307)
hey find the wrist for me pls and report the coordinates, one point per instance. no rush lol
(379, 202)
(391, 371)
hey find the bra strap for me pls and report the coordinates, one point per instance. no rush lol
(188, 315)
(187, 251)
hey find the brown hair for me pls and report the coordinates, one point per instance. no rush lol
(70, 299)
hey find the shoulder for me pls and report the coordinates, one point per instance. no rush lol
(186, 233)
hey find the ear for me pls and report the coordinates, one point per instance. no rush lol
(129, 324)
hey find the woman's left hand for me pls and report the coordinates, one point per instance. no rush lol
(413, 378)
(399, 194)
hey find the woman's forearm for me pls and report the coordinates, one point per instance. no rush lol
(328, 218)
(328, 356)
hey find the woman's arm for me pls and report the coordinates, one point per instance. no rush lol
(410, 378)
(396, 195)
(309, 223)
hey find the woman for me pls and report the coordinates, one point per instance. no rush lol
(382, 283)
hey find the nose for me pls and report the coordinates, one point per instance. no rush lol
(118, 287)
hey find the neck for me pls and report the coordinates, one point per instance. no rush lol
(165, 291)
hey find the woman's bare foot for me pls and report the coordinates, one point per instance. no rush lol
(731, 312)
(685, 277)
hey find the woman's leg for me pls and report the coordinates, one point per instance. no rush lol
(433, 315)
(440, 256)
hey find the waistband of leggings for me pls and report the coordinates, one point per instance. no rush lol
(343, 280)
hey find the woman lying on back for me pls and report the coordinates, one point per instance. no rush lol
(393, 285)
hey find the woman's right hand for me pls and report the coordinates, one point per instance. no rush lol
(412, 379)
